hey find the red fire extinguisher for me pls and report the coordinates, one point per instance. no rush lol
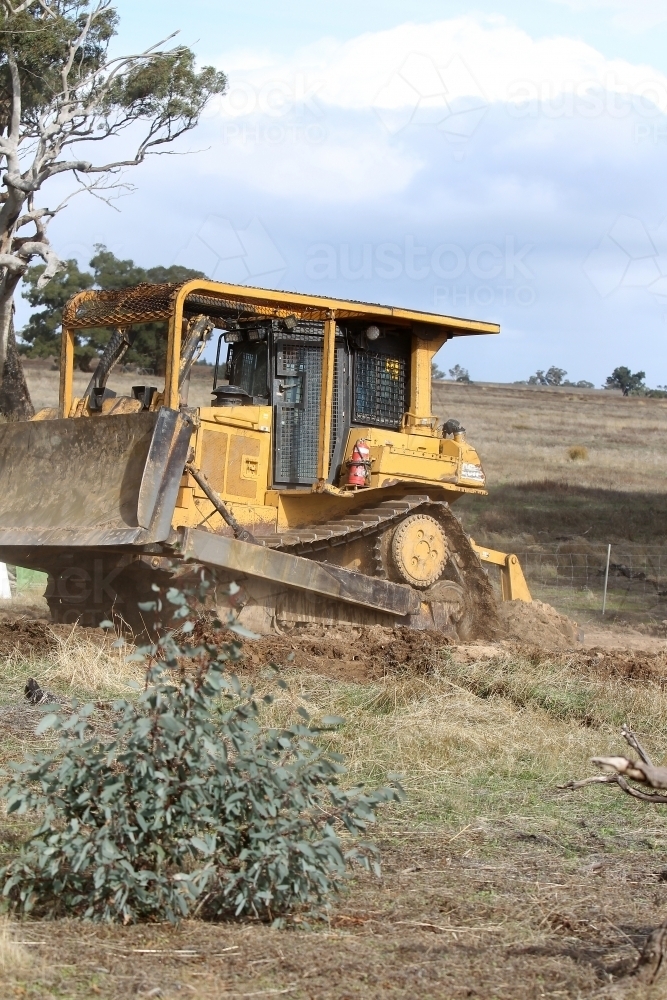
(359, 464)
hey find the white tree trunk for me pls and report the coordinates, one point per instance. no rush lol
(6, 307)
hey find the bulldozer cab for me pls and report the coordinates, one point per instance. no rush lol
(323, 367)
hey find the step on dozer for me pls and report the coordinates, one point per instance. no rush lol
(317, 479)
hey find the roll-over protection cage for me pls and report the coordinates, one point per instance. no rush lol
(222, 303)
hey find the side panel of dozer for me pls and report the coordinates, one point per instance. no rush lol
(94, 481)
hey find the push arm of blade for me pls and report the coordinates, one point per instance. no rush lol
(119, 342)
(512, 581)
(198, 332)
(334, 582)
(239, 531)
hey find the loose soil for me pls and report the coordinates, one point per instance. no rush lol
(28, 636)
(537, 624)
(367, 653)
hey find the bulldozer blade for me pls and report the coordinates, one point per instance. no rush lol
(91, 481)
(319, 578)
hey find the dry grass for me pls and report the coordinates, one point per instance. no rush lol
(43, 384)
(80, 662)
(521, 433)
(15, 960)
(77, 663)
(524, 722)
(521, 724)
(577, 453)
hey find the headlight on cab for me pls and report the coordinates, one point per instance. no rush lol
(474, 472)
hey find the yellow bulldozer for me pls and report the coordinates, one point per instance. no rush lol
(317, 479)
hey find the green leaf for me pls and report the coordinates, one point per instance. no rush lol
(242, 630)
(200, 845)
(49, 721)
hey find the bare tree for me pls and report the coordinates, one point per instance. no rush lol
(61, 97)
(652, 962)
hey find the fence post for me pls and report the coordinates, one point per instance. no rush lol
(606, 579)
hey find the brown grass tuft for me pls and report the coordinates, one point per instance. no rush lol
(577, 453)
(81, 662)
(91, 664)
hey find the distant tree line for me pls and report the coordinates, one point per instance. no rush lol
(622, 378)
(40, 337)
(556, 376)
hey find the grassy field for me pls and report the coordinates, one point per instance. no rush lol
(524, 434)
(495, 884)
(559, 513)
(42, 378)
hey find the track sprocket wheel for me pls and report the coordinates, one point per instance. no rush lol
(419, 550)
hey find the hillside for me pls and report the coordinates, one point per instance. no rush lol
(523, 434)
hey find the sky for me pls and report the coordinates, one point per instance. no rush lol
(501, 161)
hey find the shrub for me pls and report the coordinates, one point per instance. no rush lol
(577, 453)
(191, 807)
(553, 376)
(460, 374)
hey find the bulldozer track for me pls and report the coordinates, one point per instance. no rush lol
(363, 523)
(372, 522)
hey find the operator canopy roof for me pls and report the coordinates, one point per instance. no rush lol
(228, 305)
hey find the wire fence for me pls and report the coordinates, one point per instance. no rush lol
(636, 585)
(645, 573)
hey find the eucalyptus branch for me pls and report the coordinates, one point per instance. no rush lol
(619, 769)
(20, 8)
(78, 94)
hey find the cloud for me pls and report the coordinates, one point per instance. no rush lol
(441, 62)
(635, 15)
(460, 166)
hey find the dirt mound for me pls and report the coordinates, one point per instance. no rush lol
(350, 653)
(537, 624)
(366, 653)
(29, 636)
(631, 665)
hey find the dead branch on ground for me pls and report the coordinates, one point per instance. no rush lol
(652, 961)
